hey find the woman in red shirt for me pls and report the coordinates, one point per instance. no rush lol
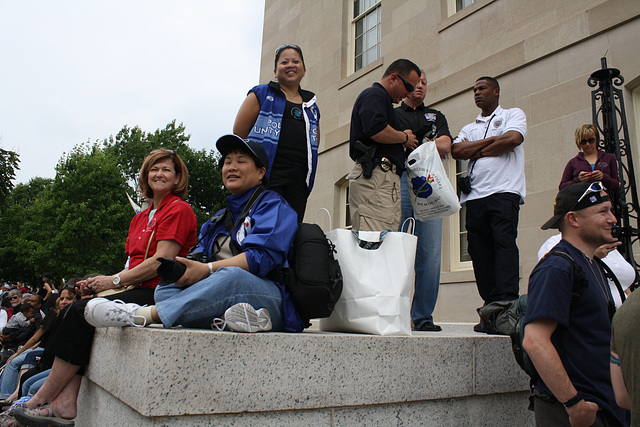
(166, 229)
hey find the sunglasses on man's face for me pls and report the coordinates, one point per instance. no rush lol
(408, 86)
(591, 140)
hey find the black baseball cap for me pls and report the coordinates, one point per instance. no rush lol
(228, 143)
(573, 198)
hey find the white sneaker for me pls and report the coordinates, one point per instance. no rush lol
(103, 313)
(242, 317)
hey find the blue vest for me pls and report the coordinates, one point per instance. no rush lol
(266, 130)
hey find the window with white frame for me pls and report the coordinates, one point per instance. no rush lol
(367, 35)
(458, 5)
(460, 227)
(345, 213)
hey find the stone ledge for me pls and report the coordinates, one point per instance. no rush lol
(176, 372)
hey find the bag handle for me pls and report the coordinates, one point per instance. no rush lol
(328, 214)
(364, 244)
(412, 222)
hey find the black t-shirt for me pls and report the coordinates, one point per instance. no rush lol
(422, 119)
(291, 153)
(372, 112)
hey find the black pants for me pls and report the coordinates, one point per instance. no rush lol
(293, 189)
(492, 228)
(72, 338)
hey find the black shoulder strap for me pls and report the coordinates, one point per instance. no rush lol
(580, 282)
(609, 274)
(214, 220)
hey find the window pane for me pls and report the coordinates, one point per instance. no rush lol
(359, 27)
(464, 245)
(359, 43)
(358, 64)
(356, 8)
(347, 220)
(372, 55)
(464, 248)
(371, 38)
(461, 4)
(461, 167)
(372, 20)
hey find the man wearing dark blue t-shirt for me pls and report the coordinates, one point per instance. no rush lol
(569, 342)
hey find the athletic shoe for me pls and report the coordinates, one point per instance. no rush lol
(243, 317)
(103, 313)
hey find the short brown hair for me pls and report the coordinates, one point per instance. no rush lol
(585, 132)
(158, 155)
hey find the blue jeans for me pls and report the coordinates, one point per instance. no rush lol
(197, 305)
(427, 266)
(33, 383)
(10, 376)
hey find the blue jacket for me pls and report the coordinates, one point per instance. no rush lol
(266, 130)
(265, 236)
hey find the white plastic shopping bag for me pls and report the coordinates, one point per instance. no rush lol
(430, 191)
(378, 272)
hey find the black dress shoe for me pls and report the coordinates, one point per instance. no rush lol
(428, 326)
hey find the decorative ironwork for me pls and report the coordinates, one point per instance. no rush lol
(610, 118)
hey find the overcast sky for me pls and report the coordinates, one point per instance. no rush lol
(78, 70)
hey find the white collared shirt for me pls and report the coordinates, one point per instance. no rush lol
(496, 174)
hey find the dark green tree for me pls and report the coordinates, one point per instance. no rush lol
(9, 161)
(80, 224)
(16, 218)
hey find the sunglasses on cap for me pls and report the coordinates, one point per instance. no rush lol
(595, 187)
(163, 150)
(287, 46)
(591, 140)
(408, 86)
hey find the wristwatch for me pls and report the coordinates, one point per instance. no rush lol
(575, 399)
(116, 281)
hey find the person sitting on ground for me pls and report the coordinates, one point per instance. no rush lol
(22, 325)
(4, 318)
(16, 364)
(15, 299)
(231, 288)
(166, 229)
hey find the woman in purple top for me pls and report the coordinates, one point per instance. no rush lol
(591, 164)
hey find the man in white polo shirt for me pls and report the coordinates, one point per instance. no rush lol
(493, 146)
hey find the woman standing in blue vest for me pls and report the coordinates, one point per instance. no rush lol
(285, 119)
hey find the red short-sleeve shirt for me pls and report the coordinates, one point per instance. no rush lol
(174, 220)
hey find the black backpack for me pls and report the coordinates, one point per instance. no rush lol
(314, 279)
(580, 283)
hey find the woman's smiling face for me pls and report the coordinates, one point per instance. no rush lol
(240, 172)
(162, 177)
(289, 67)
